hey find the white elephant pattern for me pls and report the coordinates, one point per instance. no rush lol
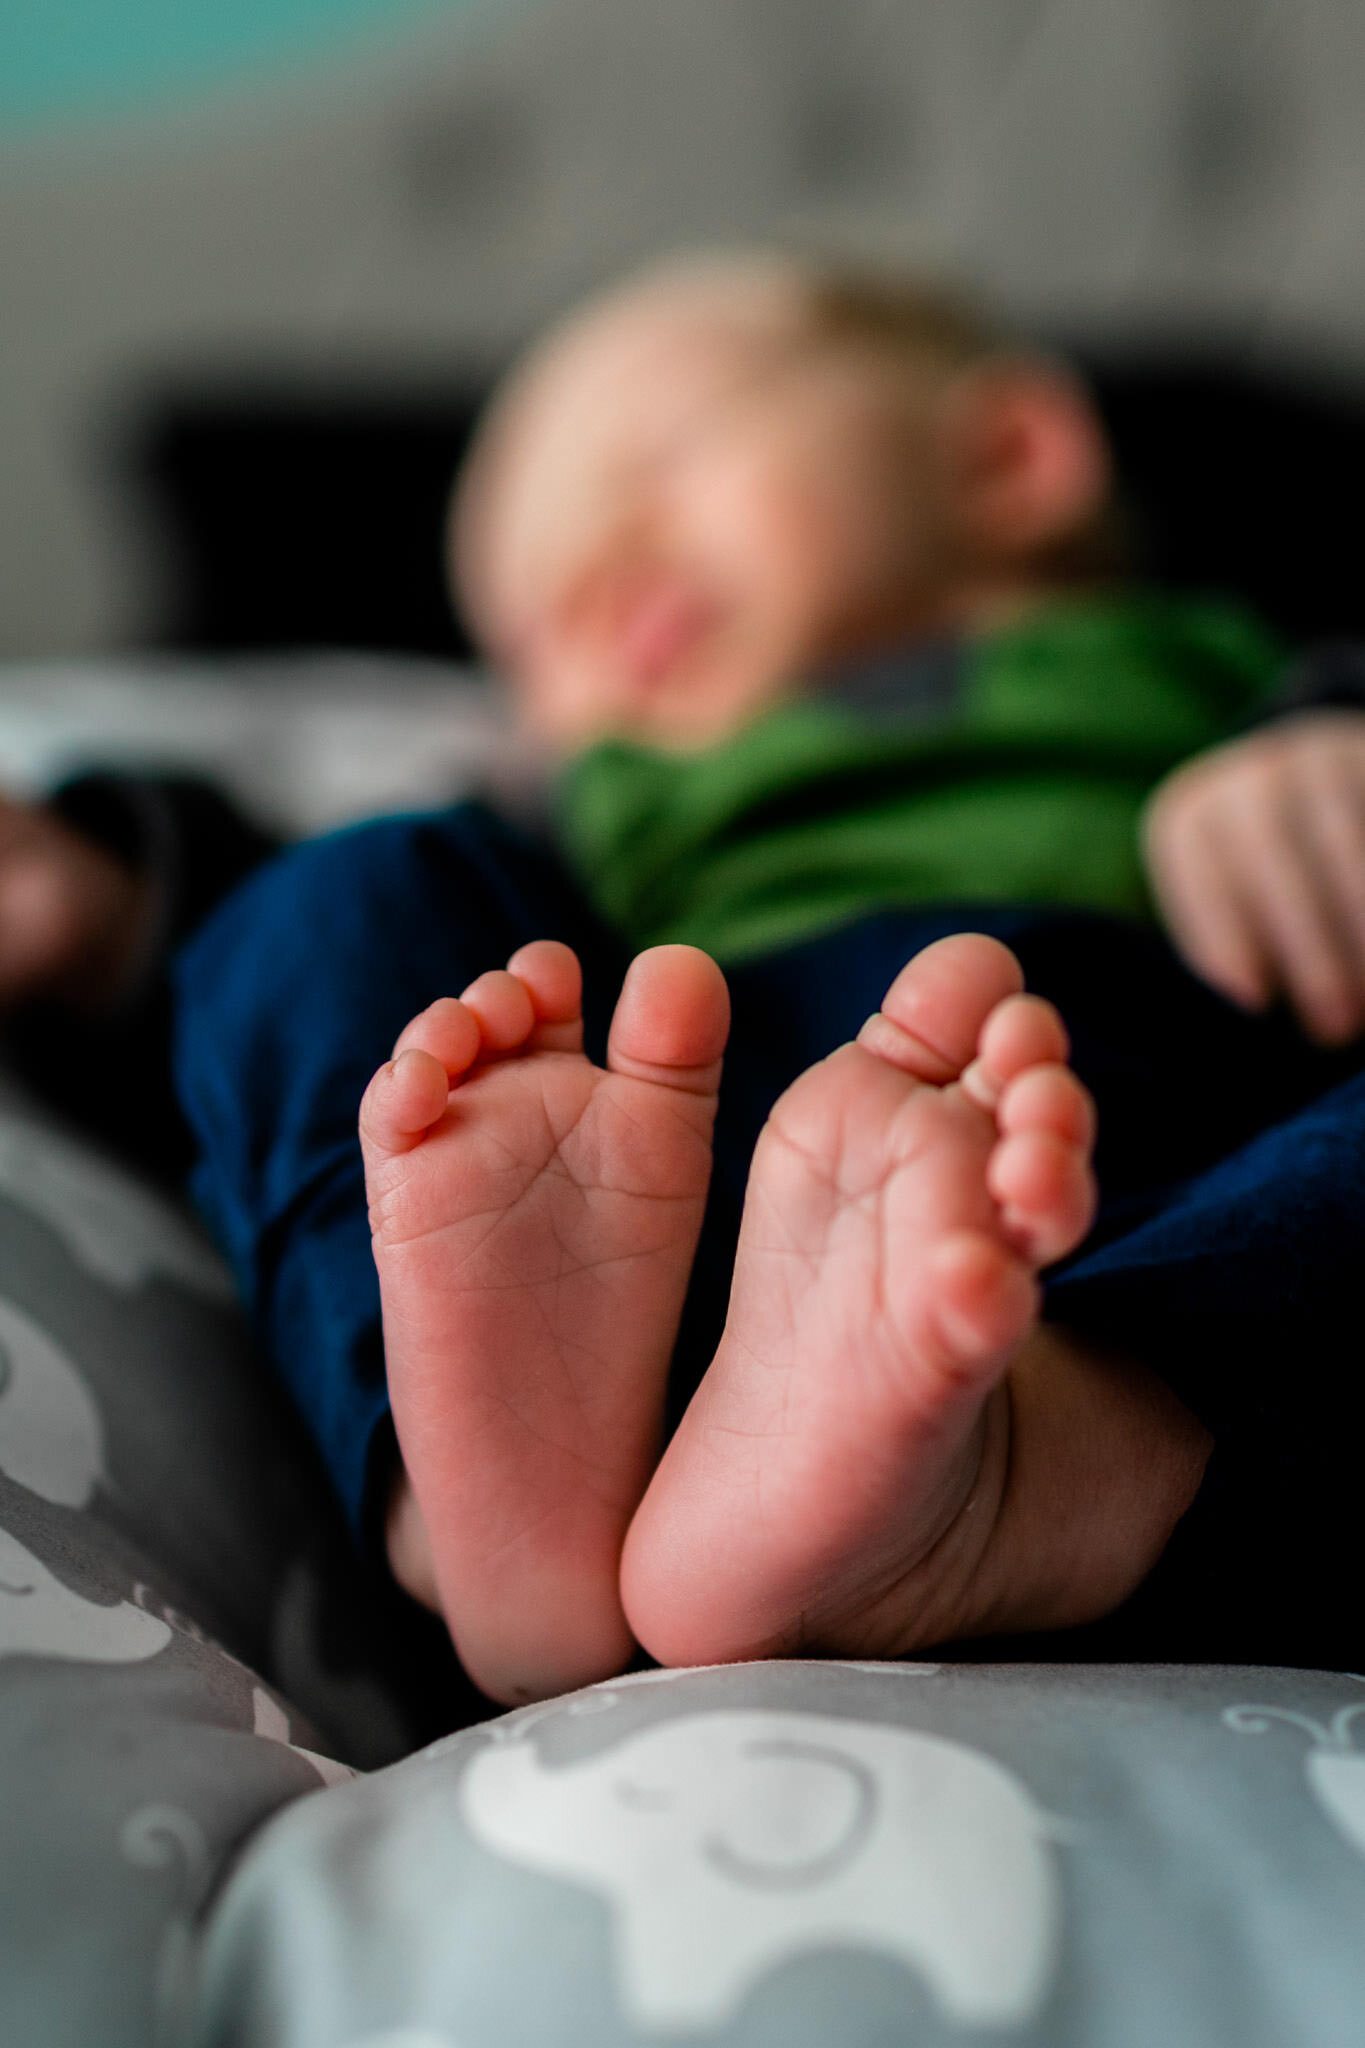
(40, 1617)
(727, 1843)
(117, 1231)
(51, 1437)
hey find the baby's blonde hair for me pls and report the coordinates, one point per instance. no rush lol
(942, 328)
(932, 328)
(929, 322)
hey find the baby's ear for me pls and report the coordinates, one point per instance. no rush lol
(1028, 456)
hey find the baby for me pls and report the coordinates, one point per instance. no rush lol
(698, 495)
(813, 580)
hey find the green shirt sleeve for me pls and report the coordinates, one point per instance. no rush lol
(1026, 786)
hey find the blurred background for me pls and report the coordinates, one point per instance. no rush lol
(259, 258)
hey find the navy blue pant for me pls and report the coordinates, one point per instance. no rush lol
(1231, 1161)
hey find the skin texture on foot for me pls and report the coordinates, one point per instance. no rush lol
(534, 1220)
(839, 1478)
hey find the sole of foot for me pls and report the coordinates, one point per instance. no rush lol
(534, 1219)
(836, 1479)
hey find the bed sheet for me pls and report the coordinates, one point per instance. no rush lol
(306, 741)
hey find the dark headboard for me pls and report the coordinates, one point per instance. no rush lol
(314, 517)
(303, 518)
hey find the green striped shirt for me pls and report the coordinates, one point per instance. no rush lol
(1018, 777)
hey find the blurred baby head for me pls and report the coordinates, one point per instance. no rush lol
(730, 472)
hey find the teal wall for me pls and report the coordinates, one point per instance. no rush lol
(64, 60)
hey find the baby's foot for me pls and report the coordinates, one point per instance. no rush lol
(837, 1479)
(534, 1223)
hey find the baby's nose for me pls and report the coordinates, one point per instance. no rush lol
(600, 588)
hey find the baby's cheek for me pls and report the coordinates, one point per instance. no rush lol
(758, 534)
(816, 568)
(773, 536)
(560, 701)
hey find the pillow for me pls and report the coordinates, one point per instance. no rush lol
(817, 1855)
(304, 742)
(808, 1855)
(171, 1570)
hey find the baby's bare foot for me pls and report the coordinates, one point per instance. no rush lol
(534, 1223)
(837, 1479)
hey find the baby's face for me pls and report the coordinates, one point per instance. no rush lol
(687, 501)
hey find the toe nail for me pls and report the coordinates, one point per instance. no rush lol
(978, 1082)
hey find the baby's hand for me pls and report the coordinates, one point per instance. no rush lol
(71, 915)
(1256, 854)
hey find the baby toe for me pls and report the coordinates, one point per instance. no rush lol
(505, 1013)
(550, 974)
(448, 1030)
(1020, 1032)
(1048, 1098)
(933, 1012)
(404, 1099)
(672, 1020)
(1045, 1191)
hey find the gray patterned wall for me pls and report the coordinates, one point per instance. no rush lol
(1105, 167)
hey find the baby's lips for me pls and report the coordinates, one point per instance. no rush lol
(657, 626)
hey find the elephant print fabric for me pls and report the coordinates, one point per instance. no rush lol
(727, 1844)
(1333, 1767)
(51, 1437)
(117, 1230)
(40, 1617)
(137, 1460)
(824, 1855)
